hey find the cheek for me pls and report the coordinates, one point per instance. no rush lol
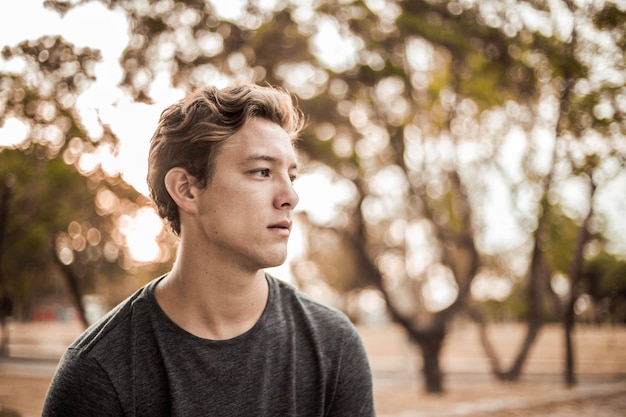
(238, 197)
(234, 207)
(249, 197)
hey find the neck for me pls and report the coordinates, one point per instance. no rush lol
(212, 301)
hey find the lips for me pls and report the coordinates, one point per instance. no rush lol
(281, 229)
(285, 224)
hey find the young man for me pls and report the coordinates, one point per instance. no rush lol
(217, 336)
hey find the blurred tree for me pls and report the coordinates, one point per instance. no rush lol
(53, 229)
(60, 208)
(428, 108)
(588, 130)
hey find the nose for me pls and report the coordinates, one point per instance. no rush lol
(286, 196)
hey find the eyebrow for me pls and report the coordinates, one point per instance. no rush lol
(266, 158)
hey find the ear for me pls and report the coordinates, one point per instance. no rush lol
(179, 184)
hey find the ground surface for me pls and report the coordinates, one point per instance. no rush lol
(469, 388)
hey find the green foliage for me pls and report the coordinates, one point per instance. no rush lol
(52, 214)
(45, 196)
(558, 238)
(607, 276)
(511, 309)
(612, 18)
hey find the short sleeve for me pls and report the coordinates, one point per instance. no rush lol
(354, 393)
(80, 387)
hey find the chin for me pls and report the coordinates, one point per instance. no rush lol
(275, 261)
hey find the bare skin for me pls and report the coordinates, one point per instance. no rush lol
(230, 231)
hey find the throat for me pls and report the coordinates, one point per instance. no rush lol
(210, 312)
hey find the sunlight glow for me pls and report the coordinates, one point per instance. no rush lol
(230, 10)
(135, 124)
(322, 195)
(440, 289)
(336, 50)
(141, 232)
(560, 284)
(490, 286)
(13, 133)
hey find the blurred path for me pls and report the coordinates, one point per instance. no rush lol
(34, 351)
(472, 391)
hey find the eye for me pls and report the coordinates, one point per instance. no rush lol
(264, 173)
(293, 178)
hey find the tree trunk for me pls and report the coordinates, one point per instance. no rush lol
(429, 339)
(73, 285)
(4, 341)
(514, 373)
(430, 342)
(537, 275)
(570, 375)
(576, 278)
(6, 304)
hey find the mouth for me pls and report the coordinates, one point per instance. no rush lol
(281, 225)
(282, 228)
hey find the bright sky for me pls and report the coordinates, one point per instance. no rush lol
(95, 26)
(81, 27)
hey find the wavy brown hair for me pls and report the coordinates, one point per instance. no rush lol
(191, 132)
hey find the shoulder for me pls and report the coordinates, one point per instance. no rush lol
(335, 346)
(111, 331)
(290, 294)
(86, 376)
(305, 310)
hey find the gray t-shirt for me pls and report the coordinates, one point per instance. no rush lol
(300, 359)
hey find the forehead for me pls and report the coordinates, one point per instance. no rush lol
(260, 139)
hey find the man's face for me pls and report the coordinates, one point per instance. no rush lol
(245, 210)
